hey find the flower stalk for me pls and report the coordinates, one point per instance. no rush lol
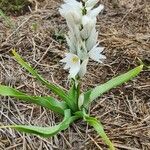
(82, 36)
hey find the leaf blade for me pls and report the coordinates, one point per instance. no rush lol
(55, 88)
(73, 94)
(99, 129)
(47, 102)
(99, 90)
(46, 131)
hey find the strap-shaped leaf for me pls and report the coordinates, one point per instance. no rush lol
(55, 88)
(73, 94)
(46, 131)
(99, 90)
(47, 102)
(99, 128)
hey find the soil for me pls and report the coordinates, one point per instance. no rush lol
(38, 36)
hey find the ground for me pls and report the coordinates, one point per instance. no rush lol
(38, 36)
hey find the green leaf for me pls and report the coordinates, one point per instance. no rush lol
(47, 102)
(46, 131)
(99, 90)
(73, 94)
(55, 88)
(99, 128)
(7, 19)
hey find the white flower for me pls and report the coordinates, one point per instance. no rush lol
(88, 26)
(72, 63)
(72, 46)
(91, 3)
(73, 41)
(82, 51)
(92, 40)
(86, 19)
(73, 8)
(94, 12)
(82, 36)
(73, 17)
(95, 54)
(83, 68)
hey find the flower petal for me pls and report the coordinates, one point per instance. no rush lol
(83, 68)
(71, 11)
(91, 41)
(93, 13)
(91, 3)
(87, 28)
(73, 17)
(67, 58)
(74, 71)
(95, 54)
(72, 63)
(85, 20)
(70, 42)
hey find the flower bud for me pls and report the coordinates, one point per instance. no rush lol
(80, 101)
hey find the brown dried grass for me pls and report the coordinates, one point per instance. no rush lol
(124, 28)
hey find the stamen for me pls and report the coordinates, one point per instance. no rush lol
(75, 59)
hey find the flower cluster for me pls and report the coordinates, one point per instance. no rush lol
(82, 35)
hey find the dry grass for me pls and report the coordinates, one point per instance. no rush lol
(124, 29)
